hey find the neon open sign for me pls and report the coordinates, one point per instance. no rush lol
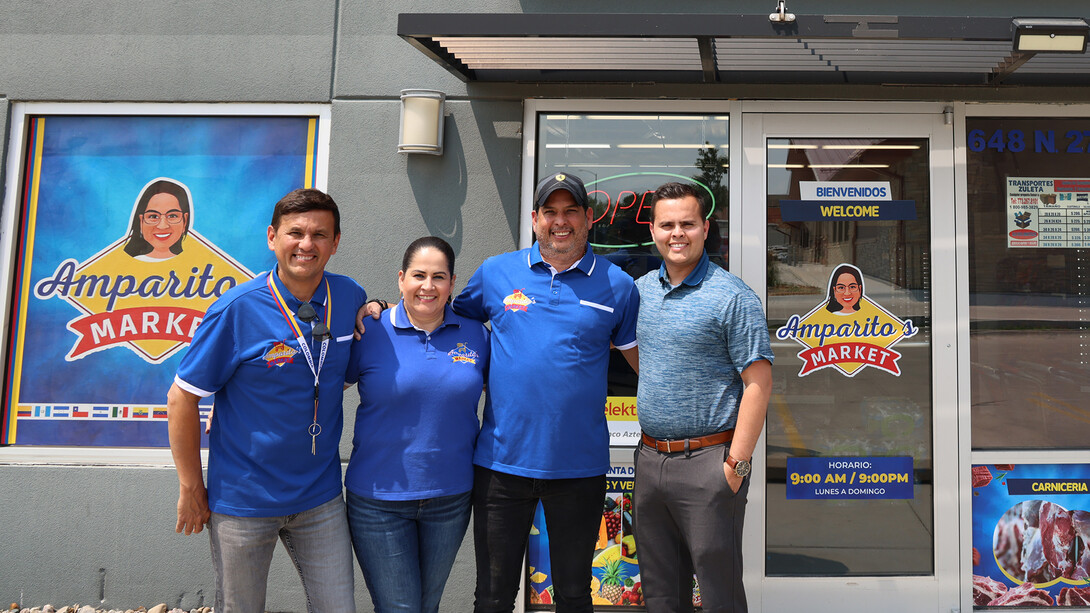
(627, 206)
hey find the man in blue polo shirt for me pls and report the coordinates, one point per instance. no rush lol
(703, 340)
(555, 308)
(274, 352)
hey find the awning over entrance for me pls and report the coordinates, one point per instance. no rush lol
(697, 48)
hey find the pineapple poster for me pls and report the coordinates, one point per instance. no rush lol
(615, 569)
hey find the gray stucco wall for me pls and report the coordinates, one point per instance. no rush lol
(103, 534)
(468, 196)
(99, 535)
(167, 51)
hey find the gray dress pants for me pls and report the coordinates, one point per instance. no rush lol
(688, 520)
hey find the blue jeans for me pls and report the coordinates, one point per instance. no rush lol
(503, 511)
(407, 547)
(317, 541)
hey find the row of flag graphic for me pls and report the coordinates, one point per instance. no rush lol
(83, 411)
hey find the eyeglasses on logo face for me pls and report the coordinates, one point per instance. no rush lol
(174, 217)
(840, 288)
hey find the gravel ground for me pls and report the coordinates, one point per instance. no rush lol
(160, 608)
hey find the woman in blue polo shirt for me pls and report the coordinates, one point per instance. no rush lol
(420, 375)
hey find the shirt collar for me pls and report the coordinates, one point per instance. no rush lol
(696, 275)
(400, 319)
(319, 297)
(585, 264)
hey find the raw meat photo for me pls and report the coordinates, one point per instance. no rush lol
(1037, 542)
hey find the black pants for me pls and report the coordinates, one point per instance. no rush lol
(688, 520)
(503, 511)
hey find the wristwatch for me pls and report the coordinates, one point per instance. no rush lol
(740, 467)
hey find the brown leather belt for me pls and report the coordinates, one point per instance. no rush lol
(690, 444)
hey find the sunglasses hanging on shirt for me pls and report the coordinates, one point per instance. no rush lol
(307, 313)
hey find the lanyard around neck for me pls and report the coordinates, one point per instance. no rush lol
(304, 346)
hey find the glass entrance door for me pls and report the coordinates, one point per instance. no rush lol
(860, 447)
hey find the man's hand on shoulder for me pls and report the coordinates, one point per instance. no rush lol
(193, 512)
(374, 308)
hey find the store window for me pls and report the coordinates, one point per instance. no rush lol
(1029, 229)
(849, 428)
(622, 158)
(129, 227)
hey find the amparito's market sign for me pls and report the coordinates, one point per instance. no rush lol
(151, 307)
(848, 331)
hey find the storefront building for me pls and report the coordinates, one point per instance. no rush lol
(908, 192)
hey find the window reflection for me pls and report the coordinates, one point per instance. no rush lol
(853, 409)
(622, 159)
(1028, 305)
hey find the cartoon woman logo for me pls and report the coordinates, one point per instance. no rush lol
(848, 331)
(160, 221)
(148, 289)
(845, 290)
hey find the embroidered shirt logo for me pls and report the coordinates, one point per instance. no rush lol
(279, 355)
(517, 301)
(461, 353)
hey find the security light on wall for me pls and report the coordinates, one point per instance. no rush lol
(421, 121)
(1040, 35)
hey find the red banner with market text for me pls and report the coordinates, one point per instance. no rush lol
(101, 330)
(850, 353)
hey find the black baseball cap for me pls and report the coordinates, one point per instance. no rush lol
(564, 181)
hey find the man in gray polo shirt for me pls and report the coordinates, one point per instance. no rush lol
(703, 339)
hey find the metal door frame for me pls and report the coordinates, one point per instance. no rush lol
(759, 121)
(751, 121)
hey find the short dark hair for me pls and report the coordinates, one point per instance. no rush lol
(677, 191)
(304, 200)
(425, 242)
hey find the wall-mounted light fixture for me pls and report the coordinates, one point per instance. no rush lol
(1046, 35)
(421, 121)
(780, 15)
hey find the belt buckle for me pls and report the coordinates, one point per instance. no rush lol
(668, 446)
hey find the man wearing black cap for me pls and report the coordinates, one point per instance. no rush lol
(555, 308)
